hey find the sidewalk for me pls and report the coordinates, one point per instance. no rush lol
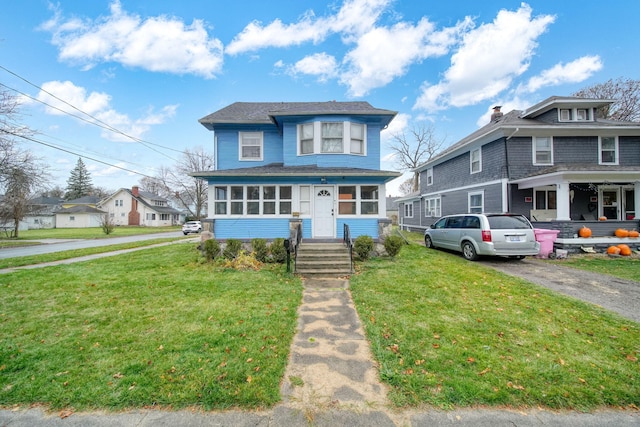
(330, 381)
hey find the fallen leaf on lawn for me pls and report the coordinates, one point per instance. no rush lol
(161, 347)
(471, 360)
(249, 360)
(560, 361)
(118, 375)
(484, 371)
(436, 336)
(582, 380)
(632, 358)
(436, 345)
(249, 379)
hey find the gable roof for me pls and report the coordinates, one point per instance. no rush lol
(268, 112)
(515, 122)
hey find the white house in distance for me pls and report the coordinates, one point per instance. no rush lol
(136, 207)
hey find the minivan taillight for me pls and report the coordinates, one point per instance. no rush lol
(486, 235)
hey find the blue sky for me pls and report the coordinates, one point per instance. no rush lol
(150, 69)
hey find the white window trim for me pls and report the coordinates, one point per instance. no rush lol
(241, 136)
(261, 200)
(346, 139)
(534, 150)
(429, 176)
(438, 208)
(573, 115)
(479, 151)
(475, 193)
(408, 210)
(617, 151)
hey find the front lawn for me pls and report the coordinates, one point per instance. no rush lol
(154, 328)
(450, 333)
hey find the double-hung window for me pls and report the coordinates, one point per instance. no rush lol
(476, 202)
(430, 176)
(542, 151)
(331, 134)
(408, 210)
(306, 138)
(250, 146)
(608, 150)
(357, 138)
(476, 160)
(432, 207)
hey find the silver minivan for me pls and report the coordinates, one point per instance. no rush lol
(503, 234)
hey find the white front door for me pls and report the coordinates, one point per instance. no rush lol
(323, 218)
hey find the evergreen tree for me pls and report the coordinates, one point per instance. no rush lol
(79, 183)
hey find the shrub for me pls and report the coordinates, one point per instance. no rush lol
(211, 249)
(260, 249)
(243, 261)
(278, 252)
(232, 249)
(393, 244)
(363, 246)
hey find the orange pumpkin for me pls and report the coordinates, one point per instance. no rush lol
(634, 234)
(584, 232)
(621, 232)
(624, 250)
(602, 218)
(613, 250)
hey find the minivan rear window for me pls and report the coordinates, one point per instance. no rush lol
(508, 222)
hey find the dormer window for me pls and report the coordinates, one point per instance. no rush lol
(575, 114)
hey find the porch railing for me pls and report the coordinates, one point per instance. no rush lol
(346, 239)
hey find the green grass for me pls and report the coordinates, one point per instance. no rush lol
(155, 328)
(75, 253)
(623, 267)
(450, 333)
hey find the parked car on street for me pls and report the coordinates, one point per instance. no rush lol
(474, 235)
(191, 227)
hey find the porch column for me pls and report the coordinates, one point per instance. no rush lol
(636, 199)
(563, 202)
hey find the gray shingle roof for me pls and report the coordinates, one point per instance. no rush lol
(265, 112)
(278, 169)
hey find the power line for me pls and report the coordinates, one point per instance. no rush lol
(76, 154)
(95, 121)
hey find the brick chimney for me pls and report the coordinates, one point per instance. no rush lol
(135, 190)
(496, 113)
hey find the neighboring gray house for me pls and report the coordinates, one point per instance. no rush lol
(554, 162)
(42, 212)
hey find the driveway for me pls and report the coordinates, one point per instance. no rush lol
(618, 295)
(59, 245)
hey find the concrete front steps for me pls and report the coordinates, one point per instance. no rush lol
(323, 260)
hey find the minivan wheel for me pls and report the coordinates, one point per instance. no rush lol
(427, 242)
(469, 251)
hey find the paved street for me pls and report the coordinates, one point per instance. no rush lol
(59, 245)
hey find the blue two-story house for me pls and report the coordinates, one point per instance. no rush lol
(280, 165)
(557, 162)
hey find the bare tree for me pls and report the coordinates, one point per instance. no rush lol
(407, 187)
(410, 152)
(178, 185)
(21, 173)
(625, 93)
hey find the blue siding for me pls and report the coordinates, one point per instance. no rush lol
(251, 228)
(228, 146)
(358, 227)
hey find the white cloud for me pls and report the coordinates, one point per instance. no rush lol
(352, 19)
(384, 53)
(488, 60)
(62, 97)
(162, 44)
(572, 72)
(322, 65)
